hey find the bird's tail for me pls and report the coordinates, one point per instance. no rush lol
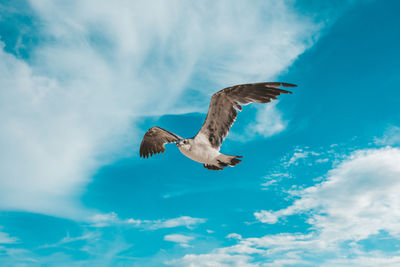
(225, 160)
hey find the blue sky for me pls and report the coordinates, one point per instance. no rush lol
(81, 82)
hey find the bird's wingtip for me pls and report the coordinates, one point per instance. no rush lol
(289, 85)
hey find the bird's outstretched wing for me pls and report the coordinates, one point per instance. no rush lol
(154, 141)
(222, 110)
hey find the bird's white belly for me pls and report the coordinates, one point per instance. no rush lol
(201, 153)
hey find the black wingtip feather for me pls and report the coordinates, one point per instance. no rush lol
(288, 85)
(280, 84)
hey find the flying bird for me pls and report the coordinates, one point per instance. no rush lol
(222, 112)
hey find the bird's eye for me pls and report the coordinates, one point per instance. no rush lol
(184, 141)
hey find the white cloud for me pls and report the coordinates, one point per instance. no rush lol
(105, 219)
(266, 217)
(187, 221)
(234, 236)
(268, 121)
(182, 240)
(311, 159)
(273, 179)
(391, 137)
(298, 154)
(108, 219)
(180, 221)
(272, 250)
(100, 65)
(322, 160)
(268, 184)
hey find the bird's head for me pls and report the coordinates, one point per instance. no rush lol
(184, 144)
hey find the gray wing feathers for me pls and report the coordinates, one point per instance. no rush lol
(224, 104)
(154, 141)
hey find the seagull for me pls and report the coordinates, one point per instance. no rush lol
(222, 112)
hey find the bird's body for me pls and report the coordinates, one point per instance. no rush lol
(205, 146)
(199, 149)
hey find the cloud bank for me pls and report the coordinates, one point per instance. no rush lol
(358, 202)
(358, 199)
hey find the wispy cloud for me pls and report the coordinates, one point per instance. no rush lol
(187, 221)
(182, 240)
(105, 253)
(298, 154)
(273, 179)
(391, 137)
(109, 219)
(5, 238)
(88, 236)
